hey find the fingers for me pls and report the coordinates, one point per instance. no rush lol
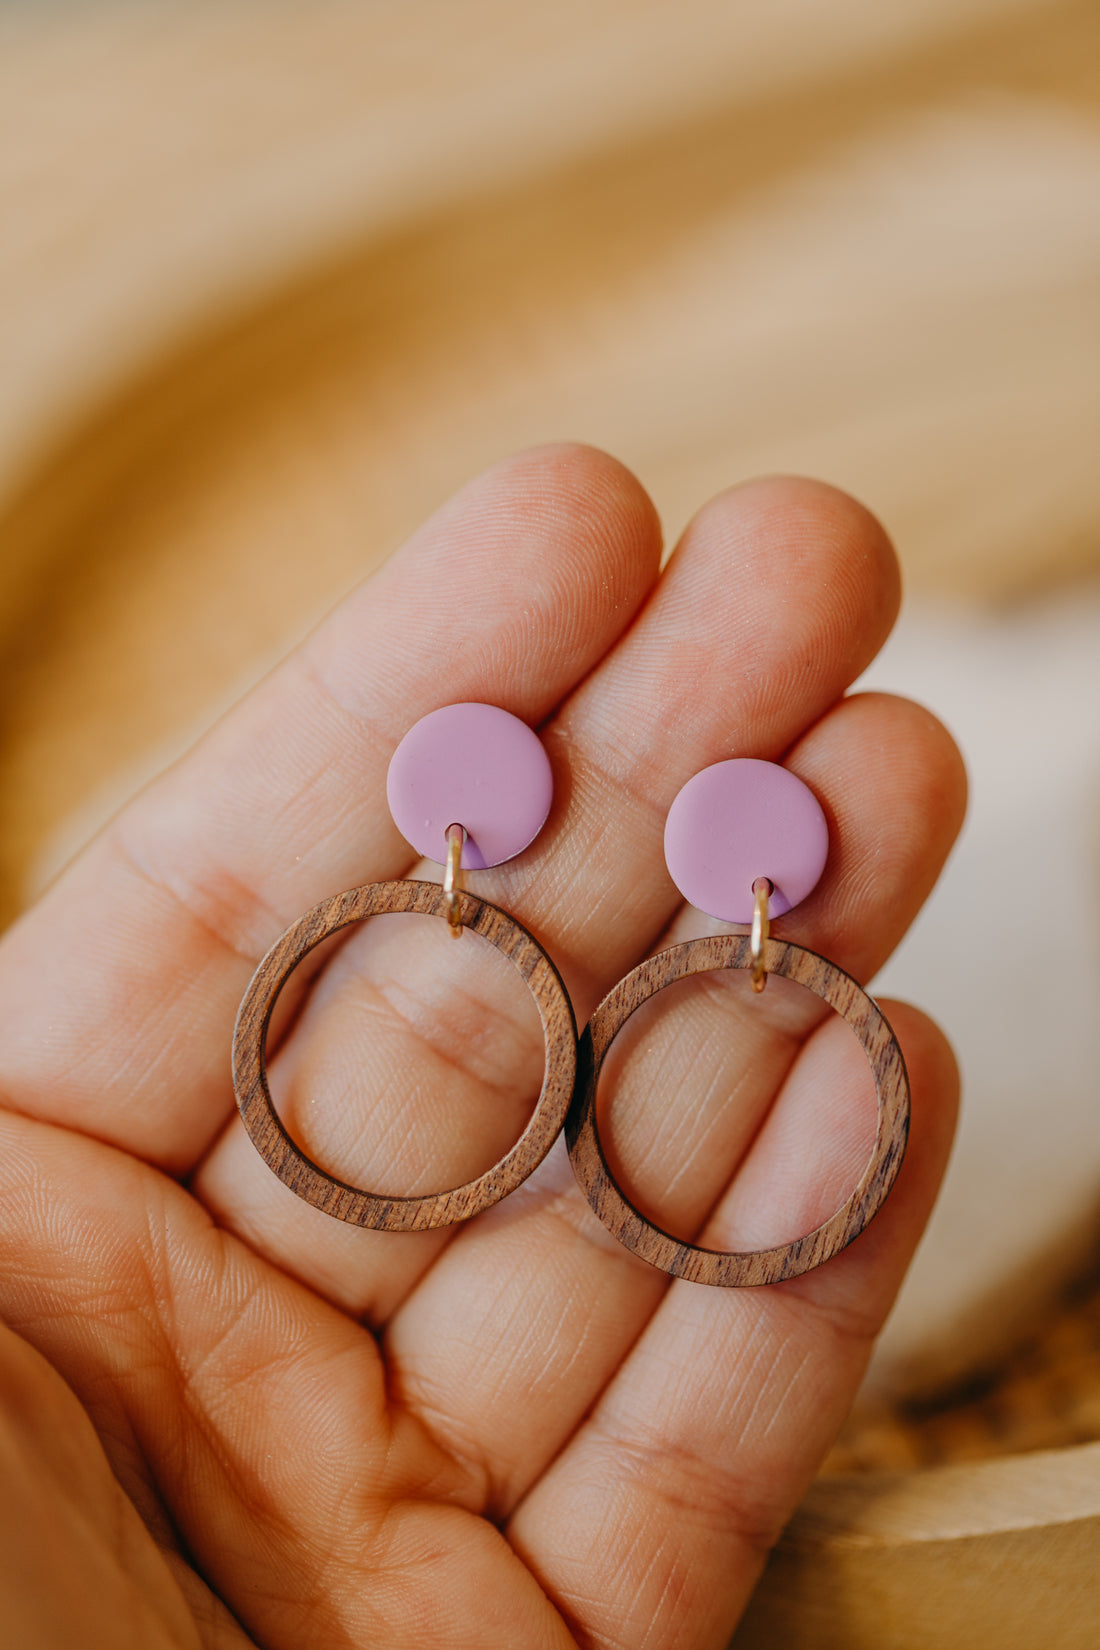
(417, 1063)
(698, 1069)
(117, 994)
(655, 1521)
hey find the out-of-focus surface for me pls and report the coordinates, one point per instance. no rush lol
(1001, 1556)
(274, 278)
(1007, 956)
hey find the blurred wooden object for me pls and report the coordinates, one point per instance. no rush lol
(276, 277)
(1044, 1396)
(1001, 1556)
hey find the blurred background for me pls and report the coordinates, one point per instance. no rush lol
(276, 277)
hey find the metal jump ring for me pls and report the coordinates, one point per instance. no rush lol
(453, 879)
(761, 893)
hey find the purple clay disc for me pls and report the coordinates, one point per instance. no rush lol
(740, 820)
(476, 766)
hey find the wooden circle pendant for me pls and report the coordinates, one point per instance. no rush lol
(336, 1197)
(722, 1268)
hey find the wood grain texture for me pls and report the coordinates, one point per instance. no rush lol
(287, 1160)
(729, 1270)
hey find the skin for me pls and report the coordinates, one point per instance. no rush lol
(227, 1420)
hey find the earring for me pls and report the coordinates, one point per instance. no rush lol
(470, 786)
(745, 841)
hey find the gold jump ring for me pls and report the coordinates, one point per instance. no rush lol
(761, 890)
(452, 877)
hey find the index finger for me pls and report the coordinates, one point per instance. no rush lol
(118, 991)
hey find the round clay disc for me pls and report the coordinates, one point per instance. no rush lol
(472, 765)
(738, 821)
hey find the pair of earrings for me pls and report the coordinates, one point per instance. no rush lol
(470, 785)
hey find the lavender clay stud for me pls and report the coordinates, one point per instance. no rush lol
(739, 821)
(476, 766)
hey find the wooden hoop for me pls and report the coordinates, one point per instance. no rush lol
(336, 1197)
(727, 1269)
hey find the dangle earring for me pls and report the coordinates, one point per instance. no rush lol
(745, 841)
(469, 786)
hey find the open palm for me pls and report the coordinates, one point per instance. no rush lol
(281, 1431)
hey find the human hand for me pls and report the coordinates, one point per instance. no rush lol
(282, 1431)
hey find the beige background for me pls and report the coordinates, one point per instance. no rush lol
(366, 249)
